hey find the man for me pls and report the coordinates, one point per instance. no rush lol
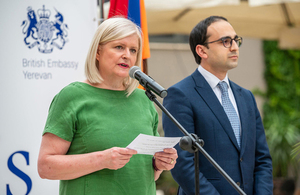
(224, 115)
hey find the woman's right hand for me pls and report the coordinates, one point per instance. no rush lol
(53, 163)
(116, 158)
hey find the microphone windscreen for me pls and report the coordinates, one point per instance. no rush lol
(132, 71)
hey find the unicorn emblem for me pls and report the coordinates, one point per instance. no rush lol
(62, 30)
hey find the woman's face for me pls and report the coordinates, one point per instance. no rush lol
(117, 57)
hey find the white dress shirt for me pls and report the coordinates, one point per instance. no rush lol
(213, 82)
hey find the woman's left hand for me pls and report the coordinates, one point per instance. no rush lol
(166, 160)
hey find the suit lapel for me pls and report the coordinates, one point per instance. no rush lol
(209, 97)
(241, 105)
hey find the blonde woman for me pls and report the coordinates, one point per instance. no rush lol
(90, 123)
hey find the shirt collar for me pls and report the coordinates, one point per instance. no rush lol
(212, 79)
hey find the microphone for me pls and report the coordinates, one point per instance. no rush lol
(147, 82)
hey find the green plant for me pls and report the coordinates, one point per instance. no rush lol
(296, 151)
(281, 110)
(281, 137)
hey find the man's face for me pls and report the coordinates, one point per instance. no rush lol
(221, 59)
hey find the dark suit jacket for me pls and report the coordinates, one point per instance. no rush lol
(194, 104)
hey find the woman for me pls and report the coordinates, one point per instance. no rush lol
(90, 123)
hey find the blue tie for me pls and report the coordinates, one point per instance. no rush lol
(230, 111)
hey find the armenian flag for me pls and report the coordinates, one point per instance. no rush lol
(135, 11)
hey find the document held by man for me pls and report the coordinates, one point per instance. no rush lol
(147, 144)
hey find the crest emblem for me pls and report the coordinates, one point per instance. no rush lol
(44, 34)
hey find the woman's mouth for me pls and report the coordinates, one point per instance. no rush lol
(124, 65)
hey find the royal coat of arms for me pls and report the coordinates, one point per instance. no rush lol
(44, 34)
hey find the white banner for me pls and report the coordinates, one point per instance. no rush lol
(180, 4)
(269, 2)
(43, 48)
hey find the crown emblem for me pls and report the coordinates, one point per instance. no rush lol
(44, 13)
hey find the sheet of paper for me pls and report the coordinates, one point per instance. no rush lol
(147, 144)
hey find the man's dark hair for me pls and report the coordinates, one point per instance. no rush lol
(198, 35)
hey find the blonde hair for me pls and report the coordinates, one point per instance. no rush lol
(110, 30)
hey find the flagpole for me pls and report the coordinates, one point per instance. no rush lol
(145, 66)
(101, 14)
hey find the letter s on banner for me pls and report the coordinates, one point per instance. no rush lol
(18, 172)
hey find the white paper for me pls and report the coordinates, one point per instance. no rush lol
(147, 144)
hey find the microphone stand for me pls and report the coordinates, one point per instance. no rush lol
(193, 144)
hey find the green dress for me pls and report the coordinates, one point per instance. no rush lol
(95, 119)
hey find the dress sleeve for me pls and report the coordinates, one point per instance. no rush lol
(61, 120)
